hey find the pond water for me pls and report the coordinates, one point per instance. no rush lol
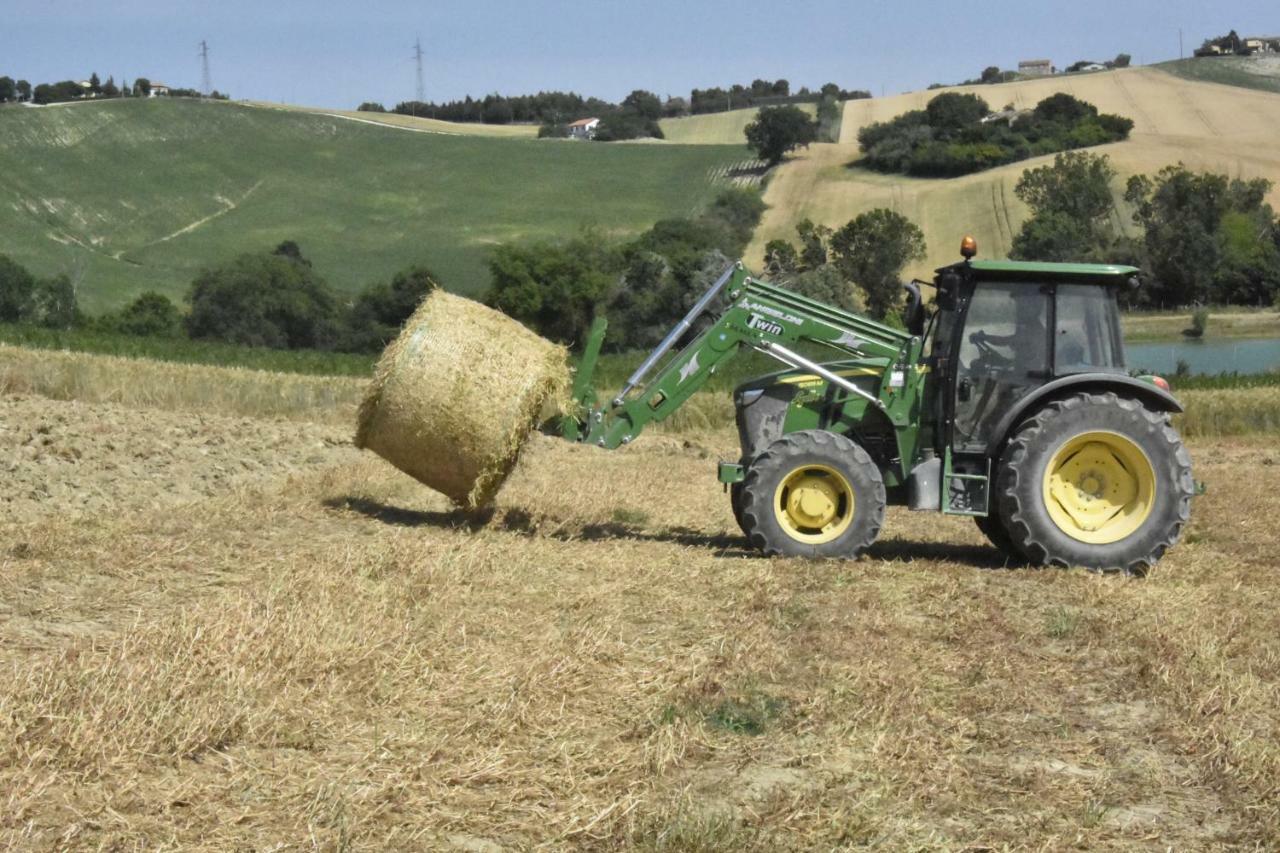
(1242, 355)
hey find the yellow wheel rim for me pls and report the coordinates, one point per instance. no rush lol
(1099, 487)
(814, 504)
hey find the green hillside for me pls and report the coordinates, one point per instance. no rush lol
(1249, 72)
(136, 195)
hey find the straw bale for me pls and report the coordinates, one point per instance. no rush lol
(456, 395)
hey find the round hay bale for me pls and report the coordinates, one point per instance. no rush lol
(456, 395)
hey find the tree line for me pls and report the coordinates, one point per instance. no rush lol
(21, 91)
(270, 299)
(559, 108)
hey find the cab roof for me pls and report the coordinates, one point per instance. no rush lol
(1037, 271)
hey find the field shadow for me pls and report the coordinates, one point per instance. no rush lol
(977, 556)
(524, 523)
(402, 517)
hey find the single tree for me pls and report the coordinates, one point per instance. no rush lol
(55, 303)
(24, 90)
(109, 88)
(95, 85)
(142, 88)
(643, 103)
(8, 90)
(871, 251)
(777, 130)
(1071, 204)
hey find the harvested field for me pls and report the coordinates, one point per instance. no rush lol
(102, 458)
(323, 654)
(1204, 125)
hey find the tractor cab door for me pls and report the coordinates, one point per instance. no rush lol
(1003, 355)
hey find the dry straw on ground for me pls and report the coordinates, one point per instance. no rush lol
(456, 395)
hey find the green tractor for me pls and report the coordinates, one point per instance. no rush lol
(1007, 400)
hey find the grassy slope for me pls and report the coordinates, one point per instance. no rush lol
(96, 189)
(427, 125)
(1204, 125)
(714, 128)
(1261, 72)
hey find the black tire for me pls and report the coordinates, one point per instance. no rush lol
(812, 453)
(993, 528)
(1023, 507)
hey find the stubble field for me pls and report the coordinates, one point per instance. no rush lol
(312, 651)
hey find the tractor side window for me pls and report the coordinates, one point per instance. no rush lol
(1086, 335)
(1004, 355)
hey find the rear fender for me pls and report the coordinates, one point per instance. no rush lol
(1156, 399)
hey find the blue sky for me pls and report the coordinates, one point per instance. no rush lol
(338, 54)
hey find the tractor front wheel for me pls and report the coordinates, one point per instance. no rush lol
(1095, 480)
(812, 493)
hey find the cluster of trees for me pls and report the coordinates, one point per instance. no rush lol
(71, 90)
(14, 90)
(40, 301)
(644, 285)
(1203, 237)
(764, 92)
(636, 117)
(268, 299)
(857, 266)
(1207, 238)
(956, 134)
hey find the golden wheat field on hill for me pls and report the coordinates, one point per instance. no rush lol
(1204, 125)
(311, 651)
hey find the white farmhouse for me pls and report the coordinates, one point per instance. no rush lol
(583, 128)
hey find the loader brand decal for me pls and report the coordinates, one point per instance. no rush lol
(761, 324)
(774, 312)
(690, 368)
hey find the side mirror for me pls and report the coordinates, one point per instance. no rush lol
(913, 316)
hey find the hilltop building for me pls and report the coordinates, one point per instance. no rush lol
(583, 128)
(158, 89)
(1036, 68)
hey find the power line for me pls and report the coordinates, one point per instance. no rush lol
(206, 81)
(417, 55)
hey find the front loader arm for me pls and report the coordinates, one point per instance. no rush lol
(758, 316)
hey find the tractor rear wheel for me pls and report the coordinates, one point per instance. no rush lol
(993, 528)
(812, 494)
(1095, 480)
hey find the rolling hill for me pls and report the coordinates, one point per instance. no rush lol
(133, 195)
(714, 128)
(1205, 125)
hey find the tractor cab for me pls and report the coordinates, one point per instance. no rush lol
(1007, 329)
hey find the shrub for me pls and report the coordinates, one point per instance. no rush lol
(150, 315)
(267, 299)
(379, 312)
